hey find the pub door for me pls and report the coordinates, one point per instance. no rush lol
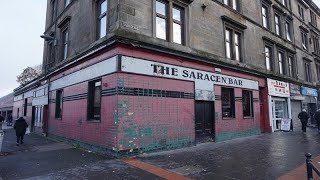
(204, 121)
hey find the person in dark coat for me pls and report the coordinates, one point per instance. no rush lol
(9, 120)
(317, 118)
(303, 116)
(20, 126)
(1, 121)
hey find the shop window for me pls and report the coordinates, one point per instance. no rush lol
(247, 103)
(169, 22)
(94, 100)
(228, 104)
(59, 101)
(25, 107)
(102, 18)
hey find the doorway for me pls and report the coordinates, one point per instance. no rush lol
(204, 121)
(279, 111)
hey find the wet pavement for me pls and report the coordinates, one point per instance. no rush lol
(268, 156)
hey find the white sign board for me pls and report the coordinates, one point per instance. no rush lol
(278, 88)
(285, 124)
(139, 66)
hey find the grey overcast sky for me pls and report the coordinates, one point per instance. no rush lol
(21, 24)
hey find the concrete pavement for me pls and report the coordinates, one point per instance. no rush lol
(268, 156)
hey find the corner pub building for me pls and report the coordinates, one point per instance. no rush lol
(148, 75)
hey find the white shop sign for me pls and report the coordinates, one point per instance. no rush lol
(278, 88)
(139, 66)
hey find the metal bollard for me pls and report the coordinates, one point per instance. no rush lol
(309, 166)
(1, 139)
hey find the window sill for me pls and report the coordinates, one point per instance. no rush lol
(58, 118)
(93, 121)
(248, 117)
(228, 118)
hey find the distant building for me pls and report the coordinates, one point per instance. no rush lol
(6, 105)
(153, 74)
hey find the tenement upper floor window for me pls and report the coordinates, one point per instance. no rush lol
(288, 31)
(94, 100)
(277, 24)
(285, 3)
(65, 39)
(307, 71)
(318, 70)
(102, 18)
(66, 2)
(234, 4)
(53, 10)
(291, 66)
(301, 12)
(304, 40)
(169, 22)
(265, 16)
(313, 18)
(281, 62)
(233, 44)
(268, 57)
(316, 45)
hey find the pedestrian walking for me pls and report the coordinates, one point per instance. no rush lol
(303, 116)
(317, 118)
(20, 126)
(9, 120)
(1, 121)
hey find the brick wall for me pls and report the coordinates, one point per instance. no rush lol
(147, 122)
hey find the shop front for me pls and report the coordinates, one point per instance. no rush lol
(310, 102)
(279, 103)
(296, 103)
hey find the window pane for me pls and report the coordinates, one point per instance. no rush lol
(234, 4)
(65, 44)
(227, 98)
(103, 7)
(277, 26)
(103, 26)
(280, 63)
(290, 66)
(267, 54)
(66, 3)
(247, 103)
(176, 14)
(288, 31)
(176, 33)
(161, 28)
(226, 2)
(228, 35)
(160, 8)
(237, 46)
(228, 50)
